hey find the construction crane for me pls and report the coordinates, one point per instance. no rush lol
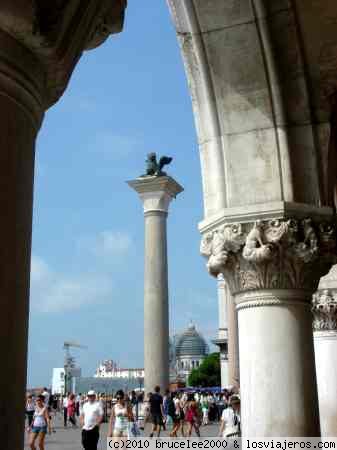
(69, 362)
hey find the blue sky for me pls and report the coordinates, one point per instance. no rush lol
(126, 98)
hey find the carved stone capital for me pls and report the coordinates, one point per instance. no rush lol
(324, 309)
(271, 254)
(56, 32)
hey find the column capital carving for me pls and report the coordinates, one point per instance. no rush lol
(56, 32)
(271, 254)
(156, 192)
(324, 309)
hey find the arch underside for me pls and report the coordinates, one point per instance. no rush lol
(262, 77)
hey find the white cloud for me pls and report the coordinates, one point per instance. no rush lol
(52, 291)
(106, 243)
(39, 270)
(57, 292)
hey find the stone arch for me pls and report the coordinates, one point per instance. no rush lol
(261, 75)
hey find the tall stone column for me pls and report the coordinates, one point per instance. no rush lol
(21, 106)
(222, 340)
(227, 339)
(40, 44)
(156, 193)
(233, 340)
(263, 86)
(272, 268)
(324, 308)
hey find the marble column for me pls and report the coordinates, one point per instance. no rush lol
(39, 48)
(233, 341)
(222, 340)
(21, 103)
(156, 193)
(272, 268)
(324, 308)
(227, 339)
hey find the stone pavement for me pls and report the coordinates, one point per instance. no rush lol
(70, 439)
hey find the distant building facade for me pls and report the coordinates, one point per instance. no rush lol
(110, 369)
(58, 381)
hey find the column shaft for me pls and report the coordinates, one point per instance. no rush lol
(156, 312)
(326, 369)
(324, 309)
(21, 115)
(233, 341)
(278, 379)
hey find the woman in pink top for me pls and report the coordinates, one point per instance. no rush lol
(71, 410)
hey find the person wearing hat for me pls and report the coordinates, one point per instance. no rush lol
(90, 419)
(230, 425)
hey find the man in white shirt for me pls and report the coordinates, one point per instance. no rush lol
(90, 419)
(65, 409)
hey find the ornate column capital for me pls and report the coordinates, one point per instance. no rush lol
(57, 31)
(324, 309)
(156, 192)
(271, 254)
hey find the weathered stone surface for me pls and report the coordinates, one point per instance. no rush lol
(324, 310)
(275, 254)
(58, 31)
(261, 67)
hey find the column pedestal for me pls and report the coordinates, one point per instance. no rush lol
(156, 193)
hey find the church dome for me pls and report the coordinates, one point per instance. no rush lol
(190, 343)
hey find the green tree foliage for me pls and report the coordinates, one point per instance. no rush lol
(208, 373)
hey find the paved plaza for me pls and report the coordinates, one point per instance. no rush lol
(70, 439)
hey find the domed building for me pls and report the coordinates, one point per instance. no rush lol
(190, 348)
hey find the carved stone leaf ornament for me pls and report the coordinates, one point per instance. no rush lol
(275, 254)
(324, 309)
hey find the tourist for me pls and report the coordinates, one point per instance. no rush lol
(121, 415)
(71, 410)
(90, 419)
(46, 396)
(55, 406)
(40, 424)
(145, 412)
(156, 411)
(192, 416)
(230, 419)
(204, 409)
(167, 418)
(65, 409)
(30, 408)
(78, 402)
(174, 416)
(180, 407)
(134, 404)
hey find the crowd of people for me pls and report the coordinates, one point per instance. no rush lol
(132, 414)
